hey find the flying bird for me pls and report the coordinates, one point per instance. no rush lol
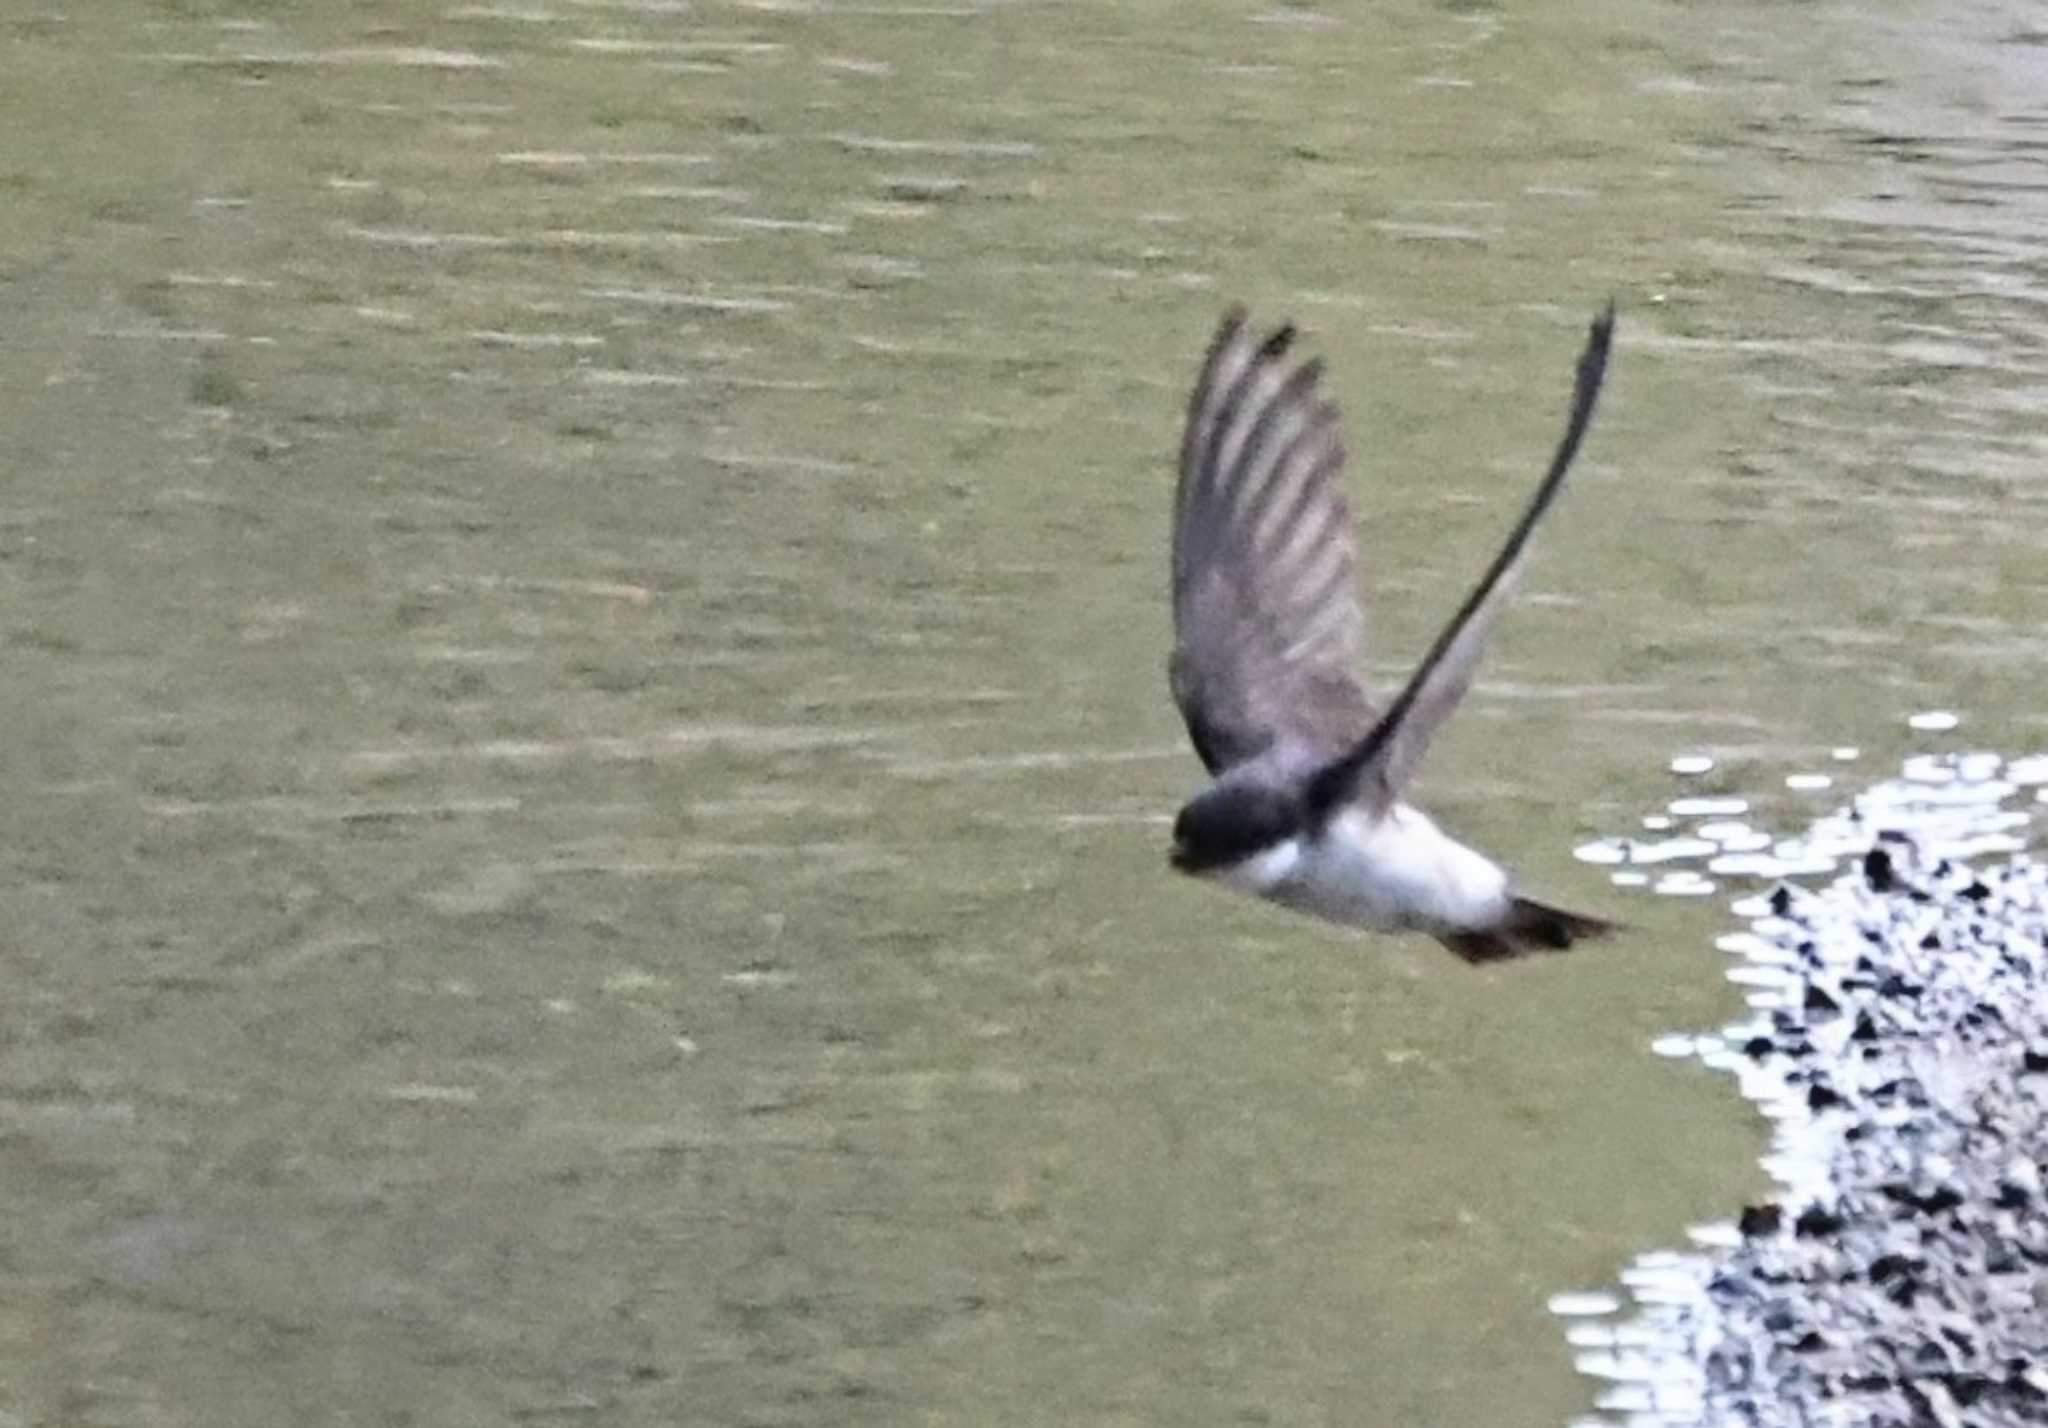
(1307, 806)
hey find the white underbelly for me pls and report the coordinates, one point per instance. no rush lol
(1391, 874)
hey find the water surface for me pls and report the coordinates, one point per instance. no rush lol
(583, 665)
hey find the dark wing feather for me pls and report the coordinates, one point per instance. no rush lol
(1380, 765)
(1268, 631)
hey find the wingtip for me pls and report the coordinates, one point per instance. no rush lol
(1593, 363)
(1229, 332)
(1236, 318)
(1278, 342)
(1601, 331)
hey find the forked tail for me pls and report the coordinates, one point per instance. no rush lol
(1530, 926)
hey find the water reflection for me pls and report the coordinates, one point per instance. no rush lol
(1647, 1349)
(1954, 799)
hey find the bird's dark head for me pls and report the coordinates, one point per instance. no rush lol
(1230, 823)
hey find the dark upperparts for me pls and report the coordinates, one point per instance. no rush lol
(1231, 822)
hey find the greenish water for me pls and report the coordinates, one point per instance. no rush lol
(582, 633)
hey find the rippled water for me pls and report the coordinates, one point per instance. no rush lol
(584, 625)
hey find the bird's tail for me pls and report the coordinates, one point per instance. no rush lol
(1530, 926)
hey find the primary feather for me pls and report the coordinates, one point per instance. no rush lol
(1269, 636)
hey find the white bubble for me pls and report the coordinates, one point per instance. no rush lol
(1759, 974)
(1685, 884)
(1627, 1398)
(2030, 770)
(1755, 949)
(1933, 721)
(1708, 807)
(1691, 764)
(1926, 768)
(1665, 850)
(1750, 863)
(1808, 782)
(1979, 767)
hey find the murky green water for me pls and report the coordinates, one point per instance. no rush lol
(582, 590)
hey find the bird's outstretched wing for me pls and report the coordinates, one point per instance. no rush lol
(1268, 633)
(1380, 764)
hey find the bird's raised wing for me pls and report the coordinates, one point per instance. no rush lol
(1379, 766)
(1268, 633)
